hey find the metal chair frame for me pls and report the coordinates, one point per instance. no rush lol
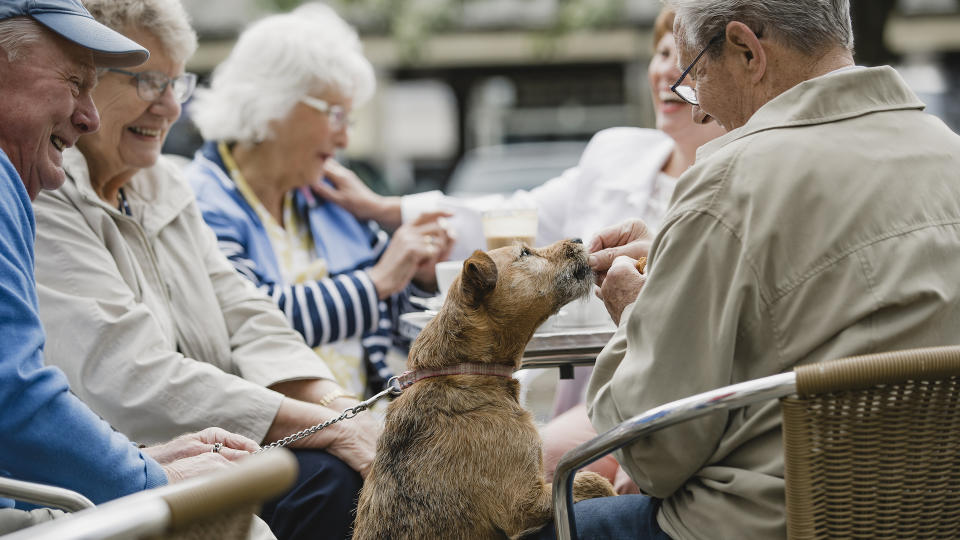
(176, 510)
(728, 397)
(43, 495)
(877, 370)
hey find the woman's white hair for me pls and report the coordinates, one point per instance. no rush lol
(166, 20)
(276, 62)
(809, 26)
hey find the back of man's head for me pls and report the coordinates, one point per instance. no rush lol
(809, 26)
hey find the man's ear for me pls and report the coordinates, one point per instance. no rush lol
(478, 277)
(749, 53)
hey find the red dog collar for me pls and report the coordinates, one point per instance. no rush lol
(407, 378)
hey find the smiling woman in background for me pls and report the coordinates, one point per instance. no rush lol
(624, 172)
(150, 322)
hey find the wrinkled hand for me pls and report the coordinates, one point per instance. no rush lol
(186, 468)
(443, 237)
(353, 195)
(193, 444)
(413, 251)
(630, 238)
(355, 441)
(621, 286)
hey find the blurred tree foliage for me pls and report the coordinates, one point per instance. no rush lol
(411, 22)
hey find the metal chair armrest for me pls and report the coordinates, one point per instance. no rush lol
(43, 495)
(177, 506)
(728, 397)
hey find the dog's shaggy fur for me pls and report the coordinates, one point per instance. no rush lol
(459, 457)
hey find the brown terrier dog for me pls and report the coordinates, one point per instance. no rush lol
(459, 457)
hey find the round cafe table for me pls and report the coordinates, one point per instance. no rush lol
(559, 347)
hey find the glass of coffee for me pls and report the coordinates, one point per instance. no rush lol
(509, 226)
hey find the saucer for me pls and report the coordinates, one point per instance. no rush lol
(431, 304)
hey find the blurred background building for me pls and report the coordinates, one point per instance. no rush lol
(511, 90)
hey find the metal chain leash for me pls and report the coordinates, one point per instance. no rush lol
(393, 389)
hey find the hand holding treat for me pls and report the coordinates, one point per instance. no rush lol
(630, 238)
(622, 284)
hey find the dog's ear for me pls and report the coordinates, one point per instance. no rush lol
(478, 278)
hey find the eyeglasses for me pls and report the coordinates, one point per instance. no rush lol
(689, 93)
(152, 84)
(338, 117)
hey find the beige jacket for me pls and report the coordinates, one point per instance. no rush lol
(154, 328)
(828, 225)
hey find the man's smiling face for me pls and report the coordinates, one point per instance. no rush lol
(46, 106)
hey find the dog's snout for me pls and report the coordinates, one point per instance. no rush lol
(574, 248)
(576, 251)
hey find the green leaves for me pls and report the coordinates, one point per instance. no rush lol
(412, 22)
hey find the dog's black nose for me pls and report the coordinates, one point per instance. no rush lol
(576, 240)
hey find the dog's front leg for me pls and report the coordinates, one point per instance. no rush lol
(531, 514)
(537, 510)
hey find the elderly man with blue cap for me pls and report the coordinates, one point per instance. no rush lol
(49, 54)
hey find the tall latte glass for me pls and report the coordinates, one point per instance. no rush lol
(509, 226)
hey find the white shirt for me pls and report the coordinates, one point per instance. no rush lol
(618, 177)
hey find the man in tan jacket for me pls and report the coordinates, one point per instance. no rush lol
(826, 223)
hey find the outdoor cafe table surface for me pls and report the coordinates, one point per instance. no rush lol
(560, 347)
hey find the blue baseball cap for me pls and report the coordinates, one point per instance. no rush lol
(72, 21)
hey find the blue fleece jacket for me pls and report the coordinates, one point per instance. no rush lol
(338, 307)
(47, 434)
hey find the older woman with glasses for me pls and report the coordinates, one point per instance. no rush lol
(275, 115)
(152, 325)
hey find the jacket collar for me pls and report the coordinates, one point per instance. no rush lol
(159, 186)
(830, 98)
(209, 152)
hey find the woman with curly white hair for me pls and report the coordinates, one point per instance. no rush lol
(277, 112)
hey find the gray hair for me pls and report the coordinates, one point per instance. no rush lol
(17, 34)
(166, 20)
(276, 62)
(809, 26)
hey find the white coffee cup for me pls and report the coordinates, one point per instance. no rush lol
(447, 271)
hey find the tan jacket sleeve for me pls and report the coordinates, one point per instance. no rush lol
(264, 348)
(679, 339)
(118, 356)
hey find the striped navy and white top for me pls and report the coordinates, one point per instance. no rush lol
(341, 306)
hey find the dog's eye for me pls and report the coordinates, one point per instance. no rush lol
(524, 251)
